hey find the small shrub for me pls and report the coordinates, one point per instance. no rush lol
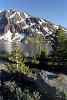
(12, 92)
(61, 94)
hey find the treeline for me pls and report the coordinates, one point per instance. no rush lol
(57, 59)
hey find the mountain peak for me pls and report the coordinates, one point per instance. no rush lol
(25, 24)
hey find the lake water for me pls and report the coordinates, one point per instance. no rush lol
(28, 48)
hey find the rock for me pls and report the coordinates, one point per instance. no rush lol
(48, 83)
(22, 78)
(2, 66)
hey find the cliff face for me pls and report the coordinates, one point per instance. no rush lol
(25, 24)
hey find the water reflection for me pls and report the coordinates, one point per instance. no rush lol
(28, 49)
(5, 47)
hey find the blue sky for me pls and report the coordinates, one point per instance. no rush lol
(53, 10)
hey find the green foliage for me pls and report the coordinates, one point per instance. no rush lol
(34, 60)
(61, 94)
(17, 62)
(34, 38)
(12, 92)
(25, 69)
(27, 96)
(59, 53)
(42, 57)
(11, 68)
(16, 56)
(4, 57)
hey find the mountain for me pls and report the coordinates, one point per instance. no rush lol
(18, 26)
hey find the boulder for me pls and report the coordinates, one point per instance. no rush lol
(52, 85)
(22, 78)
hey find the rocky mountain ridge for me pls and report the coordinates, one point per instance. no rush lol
(15, 25)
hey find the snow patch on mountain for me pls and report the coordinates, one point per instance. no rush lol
(13, 15)
(22, 20)
(26, 15)
(39, 32)
(25, 27)
(56, 26)
(32, 24)
(42, 20)
(7, 36)
(18, 36)
(46, 29)
(65, 30)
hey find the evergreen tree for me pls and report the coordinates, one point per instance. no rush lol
(17, 61)
(59, 53)
(16, 56)
(42, 57)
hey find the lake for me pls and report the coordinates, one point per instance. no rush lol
(28, 49)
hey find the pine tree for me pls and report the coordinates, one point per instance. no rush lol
(59, 53)
(17, 61)
(42, 57)
(16, 56)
